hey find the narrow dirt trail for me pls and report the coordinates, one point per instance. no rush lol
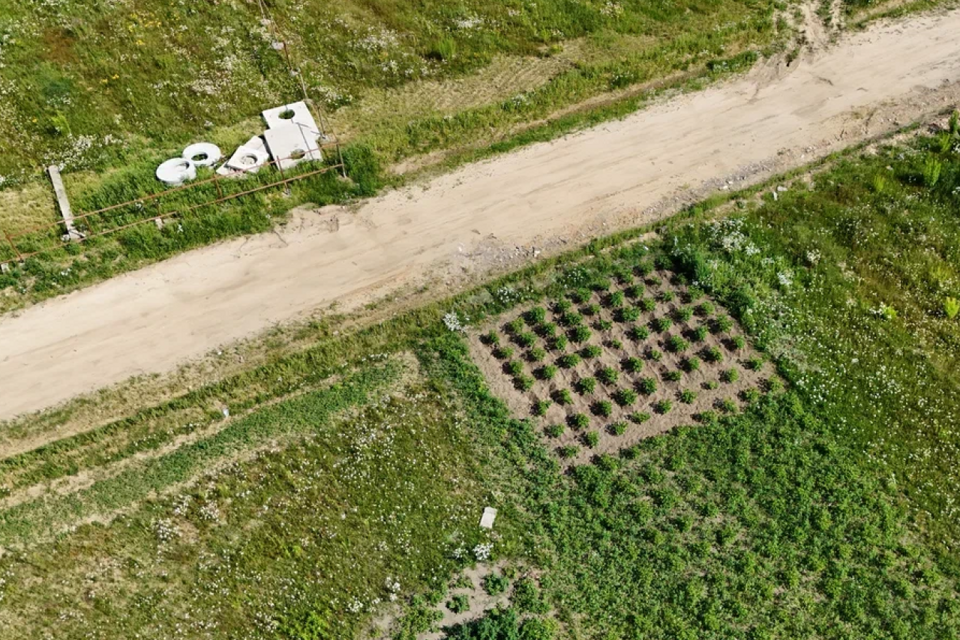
(471, 221)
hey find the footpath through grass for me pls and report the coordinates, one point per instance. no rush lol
(822, 511)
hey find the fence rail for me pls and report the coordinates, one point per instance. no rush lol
(86, 219)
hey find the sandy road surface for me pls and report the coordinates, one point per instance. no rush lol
(618, 174)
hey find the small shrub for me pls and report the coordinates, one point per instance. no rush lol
(694, 294)
(951, 307)
(515, 326)
(603, 408)
(639, 417)
(625, 397)
(526, 339)
(537, 354)
(654, 281)
(713, 355)
(607, 375)
(614, 300)
(580, 334)
(737, 343)
(491, 338)
(931, 172)
(707, 417)
(523, 383)
(495, 584)
(459, 603)
(547, 330)
(648, 304)
(774, 385)
(662, 324)
(591, 351)
(728, 405)
(692, 364)
(750, 395)
(540, 407)
(628, 314)
(503, 353)
(663, 407)
(722, 324)
(647, 385)
(687, 396)
(590, 310)
(618, 428)
(580, 296)
(513, 367)
(614, 344)
(643, 269)
(561, 306)
(535, 316)
(674, 375)
(546, 372)
(569, 451)
(633, 365)
(667, 296)
(591, 439)
(754, 363)
(710, 384)
(586, 385)
(638, 334)
(602, 284)
(563, 397)
(571, 319)
(700, 333)
(655, 355)
(705, 309)
(677, 344)
(559, 343)
(683, 314)
(568, 361)
(578, 421)
(604, 325)
(634, 292)
(554, 430)
(730, 375)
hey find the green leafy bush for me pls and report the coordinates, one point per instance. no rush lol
(459, 603)
(568, 361)
(537, 354)
(951, 307)
(674, 375)
(562, 397)
(586, 385)
(607, 375)
(495, 584)
(633, 365)
(514, 367)
(546, 372)
(591, 351)
(578, 421)
(677, 344)
(603, 408)
(535, 316)
(691, 363)
(628, 314)
(648, 305)
(639, 417)
(625, 397)
(554, 430)
(591, 439)
(618, 428)
(647, 385)
(568, 451)
(638, 334)
(687, 396)
(540, 407)
(663, 406)
(580, 334)
(662, 323)
(729, 375)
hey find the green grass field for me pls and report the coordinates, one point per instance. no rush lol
(825, 509)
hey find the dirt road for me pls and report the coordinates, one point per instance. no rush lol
(473, 220)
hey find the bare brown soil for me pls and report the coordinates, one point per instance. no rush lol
(707, 382)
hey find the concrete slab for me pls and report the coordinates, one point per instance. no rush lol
(63, 203)
(293, 113)
(489, 515)
(291, 144)
(248, 158)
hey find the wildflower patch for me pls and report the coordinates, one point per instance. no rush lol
(603, 367)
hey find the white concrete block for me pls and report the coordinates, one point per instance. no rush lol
(202, 154)
(175, 171)
(291, 144)
(489, 515)
(248, 158)
(293, 113)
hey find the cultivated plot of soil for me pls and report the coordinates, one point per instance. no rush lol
(601, 369)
